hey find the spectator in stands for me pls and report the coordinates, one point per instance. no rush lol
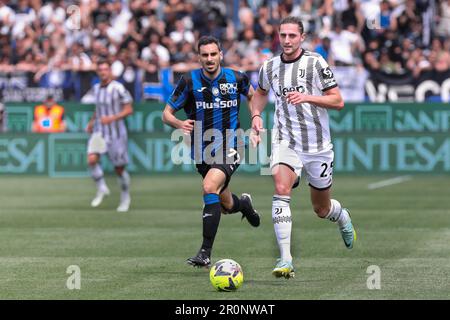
(346, 45)
(100, 11)
(415, 32)
(6, 18)
(175, 10)
(263, 24)
(106, 34)
(323, 48)
(387, 65)
(385, 14)
(372, 61)
(125, 67)
(231, 57)
(52, 15)
(80, 60)
(444, 19)
(133, 33)
(248, 47)
(439, 57)
(185, 53)
(181, 33)
(266, 48)
(391, 45)
(156, 52)
(352, 16)
(49, 117)
(157, 34)
(24, 18)
(29, 65)
(120, 16)
(403, 16)
(418, 63)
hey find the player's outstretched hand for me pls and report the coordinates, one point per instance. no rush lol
(296, 97)
(255, 138)
(89, 127)
(257, 128)
(187, 126)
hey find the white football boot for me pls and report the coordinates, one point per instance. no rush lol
(101, 193)
(124, 204)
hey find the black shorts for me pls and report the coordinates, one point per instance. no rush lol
(228, 167)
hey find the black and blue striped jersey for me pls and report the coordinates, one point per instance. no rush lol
(214, 104)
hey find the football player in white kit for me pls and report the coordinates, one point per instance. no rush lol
(304, 88)
(113, 103)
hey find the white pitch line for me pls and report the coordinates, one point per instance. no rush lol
(388, 182)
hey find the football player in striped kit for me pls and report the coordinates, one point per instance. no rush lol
(304, 88)
(211, 98)
(113, 103)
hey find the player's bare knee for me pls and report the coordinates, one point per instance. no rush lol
(282, 189)
(92, 160)
(210, 187)
(321, 211)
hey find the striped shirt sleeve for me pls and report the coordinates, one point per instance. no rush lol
(179, 96)
(263, 80)
(323, 75)
(124, 95)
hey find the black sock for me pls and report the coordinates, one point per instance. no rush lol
(236, 205)
(211, 219)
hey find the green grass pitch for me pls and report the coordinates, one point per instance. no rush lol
(47, 225)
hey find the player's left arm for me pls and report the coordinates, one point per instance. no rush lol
(90, 124)
(249, 96)
(127, 109)
(249, 92)
(245, 88)
(326, 83)
(331, 99)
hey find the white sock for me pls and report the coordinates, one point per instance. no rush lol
(282, 222)
(124, 183)
(97, 174)
(338, 215)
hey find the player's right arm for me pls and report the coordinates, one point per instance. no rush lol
(259, 102)
(170, 119)
(177, 101)
(90, 124)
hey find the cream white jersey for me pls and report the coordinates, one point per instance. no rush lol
(109, 100)
(305, 127)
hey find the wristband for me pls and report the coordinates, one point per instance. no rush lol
(256, 115)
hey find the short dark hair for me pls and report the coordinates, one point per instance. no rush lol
(208, 40)
(103, 61)
(293, 20)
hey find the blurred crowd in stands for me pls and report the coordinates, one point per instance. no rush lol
(49, 39)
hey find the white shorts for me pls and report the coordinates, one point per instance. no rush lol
(318, 166)
(117, 150)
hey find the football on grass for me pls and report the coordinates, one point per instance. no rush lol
(226, 275)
